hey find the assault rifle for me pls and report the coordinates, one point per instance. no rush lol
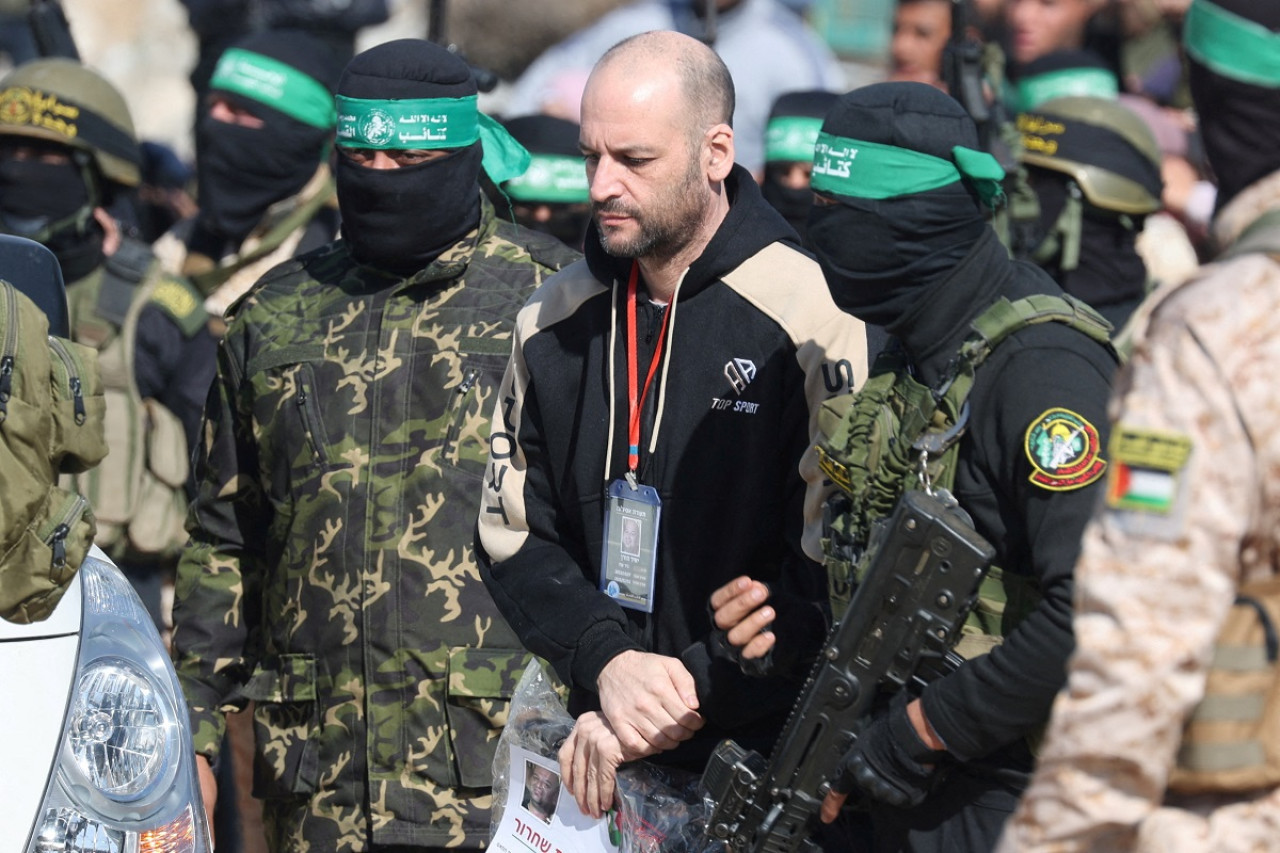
(974, 74)
(899, 629)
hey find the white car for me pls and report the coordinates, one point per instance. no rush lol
(95, 745)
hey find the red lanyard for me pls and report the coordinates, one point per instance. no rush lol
(635, 400)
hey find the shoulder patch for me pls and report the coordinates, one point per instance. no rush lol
(1064, 450)
(1146, 469)
(182, 302)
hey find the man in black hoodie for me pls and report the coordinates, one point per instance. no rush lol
(692, 285)
(899, 230)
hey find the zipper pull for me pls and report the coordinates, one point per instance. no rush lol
(77, 393)
(6, 380)
(59, 543)
(468, 381)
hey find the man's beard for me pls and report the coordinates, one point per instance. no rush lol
(666, 228)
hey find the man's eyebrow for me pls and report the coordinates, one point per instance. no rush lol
(624, 150)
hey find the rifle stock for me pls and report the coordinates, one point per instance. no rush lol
(901, 624)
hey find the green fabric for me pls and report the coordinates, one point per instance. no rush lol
(1231, 45)
(1220, 757)
(279, 86)
(1092, 82)
(791, 138)
(51, 422)
(429, 123)
(552, 179)
(858, 169)
(504, 158)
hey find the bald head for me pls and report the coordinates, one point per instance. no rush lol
(658, 147)
(662, 56)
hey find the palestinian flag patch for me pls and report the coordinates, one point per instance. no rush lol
(1146, 469)
(1064, 450)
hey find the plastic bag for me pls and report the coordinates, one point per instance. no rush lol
(659, 810)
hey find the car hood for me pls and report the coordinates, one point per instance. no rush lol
(37, 667)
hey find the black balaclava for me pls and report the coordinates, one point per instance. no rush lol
(53, 204)
(400, 220)
(242, 171)
(793, 204)
(544, 135)
(881, 256)
(1239, 122)
(1108, 270)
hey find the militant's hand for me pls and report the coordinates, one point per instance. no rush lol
(889, 762)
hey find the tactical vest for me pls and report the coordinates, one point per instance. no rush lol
(139, 492)
(51, 411)
(896, 434)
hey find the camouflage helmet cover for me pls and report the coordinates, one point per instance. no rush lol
(1101, 144)
(63, 101)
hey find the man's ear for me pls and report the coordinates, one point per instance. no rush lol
(719, 141)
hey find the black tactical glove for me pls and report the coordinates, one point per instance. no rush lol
(799, 627)
(889, 762)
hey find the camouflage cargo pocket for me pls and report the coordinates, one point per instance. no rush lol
(286, 724)
(481, 684)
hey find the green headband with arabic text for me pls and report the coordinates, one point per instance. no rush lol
(858, 169)
(1033, 91)
(276, 84)
(791, 138)
(427, 123)
(1232, 46)
(551, 179)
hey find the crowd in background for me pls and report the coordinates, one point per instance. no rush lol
(1085, 104)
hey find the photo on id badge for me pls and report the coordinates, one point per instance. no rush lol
(630, 545)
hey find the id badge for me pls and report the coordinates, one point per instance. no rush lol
(630, 558)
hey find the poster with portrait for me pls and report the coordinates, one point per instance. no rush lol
(541, 815)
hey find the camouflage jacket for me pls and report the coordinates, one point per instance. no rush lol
(1191, 514)
(330, 577)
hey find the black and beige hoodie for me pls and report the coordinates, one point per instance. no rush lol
(754, 343)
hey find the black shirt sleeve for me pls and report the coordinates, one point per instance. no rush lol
(1036, 522)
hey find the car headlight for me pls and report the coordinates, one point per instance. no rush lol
(125, 776)
(123, 732)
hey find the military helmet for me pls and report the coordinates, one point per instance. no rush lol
(63, 101)
(1102, 145)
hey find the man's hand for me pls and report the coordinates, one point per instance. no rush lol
(649, 701)
(893, 760)
(589, 762)
(208, 789)
(740, 611)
